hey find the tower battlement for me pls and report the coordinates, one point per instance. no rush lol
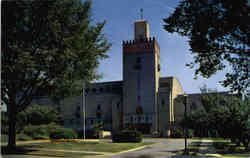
(138, 41)
(140, 45)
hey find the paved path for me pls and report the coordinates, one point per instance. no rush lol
(164, 148)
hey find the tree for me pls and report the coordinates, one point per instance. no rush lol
(218, 32)
(38, 115)
(227, 115)
(48, 47)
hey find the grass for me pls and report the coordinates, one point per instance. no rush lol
(88, 146)
(71, 149)
(4, 138)
(223, 149)
(235, 155)
(25, 151)
(230, 150)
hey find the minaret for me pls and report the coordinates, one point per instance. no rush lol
(141, 58)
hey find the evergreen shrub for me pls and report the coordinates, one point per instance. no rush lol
(127, 136)
(63, 133)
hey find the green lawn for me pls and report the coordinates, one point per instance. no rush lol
(235, 155)
(72, 149)
(88, 146)
(4, 138)
(230, 150)
(224, 149)
(27, 151)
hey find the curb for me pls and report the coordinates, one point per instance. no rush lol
(141, 147)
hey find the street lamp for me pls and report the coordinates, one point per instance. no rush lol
(185, 116)
(84, 96)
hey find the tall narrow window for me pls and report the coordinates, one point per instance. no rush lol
(98, 107)
(138, 60)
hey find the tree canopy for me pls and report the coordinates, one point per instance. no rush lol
(48, 47)
(222, 115)
(218, 32)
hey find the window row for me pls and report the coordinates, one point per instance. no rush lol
(102, 89)
(138, 119)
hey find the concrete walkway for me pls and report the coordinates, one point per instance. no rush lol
(164, 148)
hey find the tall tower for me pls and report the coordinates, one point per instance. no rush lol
(141, 66)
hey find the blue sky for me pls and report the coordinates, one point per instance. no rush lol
(120, 16)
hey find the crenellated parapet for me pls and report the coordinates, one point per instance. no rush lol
(141, 45)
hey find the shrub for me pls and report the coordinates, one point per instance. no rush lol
(40, 137)
(40, 131)
(23, 137)
(91, 134)
(34, 130)
(127, 136)
(63, 133)
(176, 133)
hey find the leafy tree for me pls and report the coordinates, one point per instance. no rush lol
(48, 47)
(218, 32)
(38, 115)
(228, 115)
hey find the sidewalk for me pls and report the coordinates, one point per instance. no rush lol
(206, 150)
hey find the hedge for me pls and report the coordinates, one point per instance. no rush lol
(127, 136)
(63, 133)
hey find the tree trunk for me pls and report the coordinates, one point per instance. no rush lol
(11, 109)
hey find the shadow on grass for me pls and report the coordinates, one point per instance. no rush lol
(198, 149)
(17, 150)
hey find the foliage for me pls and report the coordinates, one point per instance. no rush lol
(177, 131)
(23, 137)
(37, 115)
(92, 133)
(48, 48)
(127, 136)
(218, 32)
(63, 133)
(40, 131)
(227, 116)
(4, 123)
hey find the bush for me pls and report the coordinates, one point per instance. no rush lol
(34, 130)
(40, 131)
(90, 134)
(63, 133)
(23, 137)
(127, 136)
(176, 133)
(41, 137)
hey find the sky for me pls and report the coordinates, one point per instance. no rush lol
(120, 16)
